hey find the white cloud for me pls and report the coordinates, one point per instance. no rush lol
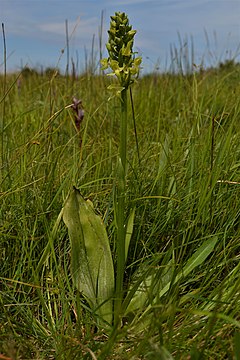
(83, 28)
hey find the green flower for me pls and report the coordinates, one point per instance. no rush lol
(125, 66)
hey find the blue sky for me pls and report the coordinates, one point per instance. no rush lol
(35, 29)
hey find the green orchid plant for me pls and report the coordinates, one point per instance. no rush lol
(92, 264)
(125, 67)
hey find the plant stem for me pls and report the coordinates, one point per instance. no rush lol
(123, 131)
(121, 208)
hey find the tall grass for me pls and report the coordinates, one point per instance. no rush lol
(185, 190)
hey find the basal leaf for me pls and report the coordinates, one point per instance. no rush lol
(141, 295)
(91, 260)
(149, 286)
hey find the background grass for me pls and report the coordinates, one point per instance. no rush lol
(179, 198)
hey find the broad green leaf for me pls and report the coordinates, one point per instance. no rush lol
(195, 260)
(150, 285)
(91, 260)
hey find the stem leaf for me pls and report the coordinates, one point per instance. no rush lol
(129, 231)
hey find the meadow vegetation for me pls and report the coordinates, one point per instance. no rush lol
(182, 179)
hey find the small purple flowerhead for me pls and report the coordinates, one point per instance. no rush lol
(79, 112)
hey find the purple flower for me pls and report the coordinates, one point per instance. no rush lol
(79, 112)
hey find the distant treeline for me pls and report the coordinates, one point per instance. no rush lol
(227, 65)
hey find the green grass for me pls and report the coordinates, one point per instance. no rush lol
(180, 203)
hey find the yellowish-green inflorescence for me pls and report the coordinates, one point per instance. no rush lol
(121, 58)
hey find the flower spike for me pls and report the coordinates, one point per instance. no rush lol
(125, 66)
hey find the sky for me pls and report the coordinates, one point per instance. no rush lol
(35, 31)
